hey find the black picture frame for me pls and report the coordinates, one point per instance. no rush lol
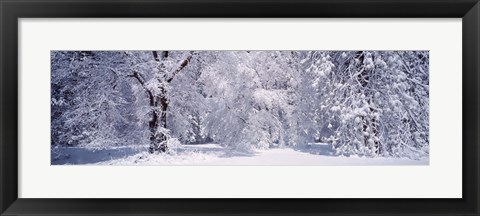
(12, 10)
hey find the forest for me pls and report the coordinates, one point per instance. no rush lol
(164, 107)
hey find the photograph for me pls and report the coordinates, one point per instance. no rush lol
(239, 107)
(278, 107)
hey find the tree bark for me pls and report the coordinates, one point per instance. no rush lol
(158, 140)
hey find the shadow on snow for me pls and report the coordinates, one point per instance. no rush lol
(222, 152)
(79, 155)
(316, 149)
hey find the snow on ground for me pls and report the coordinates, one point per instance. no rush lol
(214, 154)
(82, 155)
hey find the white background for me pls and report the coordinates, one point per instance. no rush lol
(442, 178)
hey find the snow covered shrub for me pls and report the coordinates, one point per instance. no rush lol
(172, 145)
(167, 143)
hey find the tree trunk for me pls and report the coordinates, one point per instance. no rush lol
(158, 140)
(159, 116)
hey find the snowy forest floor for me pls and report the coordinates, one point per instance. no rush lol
(214, 154)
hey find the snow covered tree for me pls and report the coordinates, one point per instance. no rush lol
(314, 94)
(87, 103)
(376, 100)
(156, 89)
(248, 94)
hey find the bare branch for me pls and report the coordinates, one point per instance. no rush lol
(164, 55)
(155, 56)
(140, 79)
(182, 66)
